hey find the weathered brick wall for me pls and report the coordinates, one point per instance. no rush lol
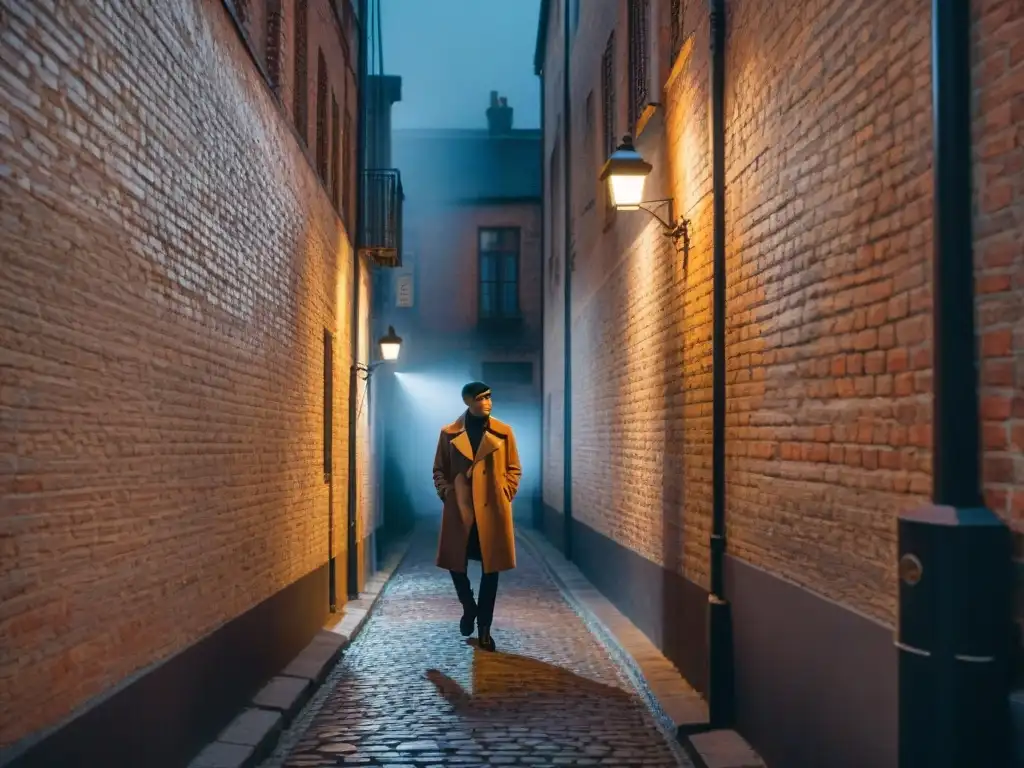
(999, 254)
(828, 228)
(828, 147)
(444, 244)
(829, 242)
(170, 263)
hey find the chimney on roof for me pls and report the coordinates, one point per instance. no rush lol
(499, 115)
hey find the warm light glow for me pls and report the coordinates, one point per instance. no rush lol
(627, 191)
(625, 172)
(390, 345)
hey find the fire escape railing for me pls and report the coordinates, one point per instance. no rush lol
(382, 200)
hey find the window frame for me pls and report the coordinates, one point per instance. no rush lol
(639, 33)
(497, 315)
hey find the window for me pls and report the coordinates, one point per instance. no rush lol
(677, 8)
(275, 45)
(508, 373)
(301, 68)
(555, 197)
(639, 19)
(608, 95)
(499, 273)
(609, 107)
(593, 163)
(346, 163)
(547, 426)
(335, 150)
(322, 160)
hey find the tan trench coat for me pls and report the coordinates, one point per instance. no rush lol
(479, 488)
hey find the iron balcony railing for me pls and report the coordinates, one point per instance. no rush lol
(381, 200)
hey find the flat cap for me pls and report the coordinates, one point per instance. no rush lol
(474, 389)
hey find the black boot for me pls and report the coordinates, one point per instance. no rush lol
(469, 609)
(485, 639)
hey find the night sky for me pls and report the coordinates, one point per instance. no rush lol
(452, 53)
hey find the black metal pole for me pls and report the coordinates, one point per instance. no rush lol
(954, 555)
(720, 694)
(567, 298)
(353, 391)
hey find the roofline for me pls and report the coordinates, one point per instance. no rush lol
(541, 49)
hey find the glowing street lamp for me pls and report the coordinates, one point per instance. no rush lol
(390, 345)
(626, 171)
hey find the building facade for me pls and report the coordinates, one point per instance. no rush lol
(828, 203)
(178, 187)
(467, 297)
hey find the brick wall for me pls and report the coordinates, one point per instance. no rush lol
(170, 263)
(445, 255)
(999, 254)
(828, 225)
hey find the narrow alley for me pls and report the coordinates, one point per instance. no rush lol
(742, 280)
(410, 691)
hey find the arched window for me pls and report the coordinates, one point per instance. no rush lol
(301, 68)
(322, 160)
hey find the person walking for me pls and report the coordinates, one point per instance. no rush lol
(476, 476)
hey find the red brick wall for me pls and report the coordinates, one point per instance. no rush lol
(828, 222)
(999, 255)
(444, 246)
(170, 263)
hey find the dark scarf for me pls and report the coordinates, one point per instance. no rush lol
(475, 427)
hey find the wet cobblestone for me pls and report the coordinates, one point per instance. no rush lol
(412, 692)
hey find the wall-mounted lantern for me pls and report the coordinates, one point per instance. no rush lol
(390, 345)
(626, 171)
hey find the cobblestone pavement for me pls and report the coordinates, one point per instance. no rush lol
(412, 692)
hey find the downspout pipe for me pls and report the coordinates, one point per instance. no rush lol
(721, 705)
(955, 555)
(567, 284)
(538, 520)
(362, 98)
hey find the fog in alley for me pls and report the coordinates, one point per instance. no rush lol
(743, 281)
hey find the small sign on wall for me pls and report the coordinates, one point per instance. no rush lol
(403, 290)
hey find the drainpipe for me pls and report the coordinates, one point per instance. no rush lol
(954, 568)
(539, 514)
(353, 379)
(567, 300)
(720, 684)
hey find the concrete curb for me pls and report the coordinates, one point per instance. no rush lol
(681, 710)
(254, 734)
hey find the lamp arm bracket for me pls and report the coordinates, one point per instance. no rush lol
(364, 370)
(678, 231)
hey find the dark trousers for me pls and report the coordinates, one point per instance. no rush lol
(484, 609)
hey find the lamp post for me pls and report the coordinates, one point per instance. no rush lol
(626, 171)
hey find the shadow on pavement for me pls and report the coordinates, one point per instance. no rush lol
(507, 681)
